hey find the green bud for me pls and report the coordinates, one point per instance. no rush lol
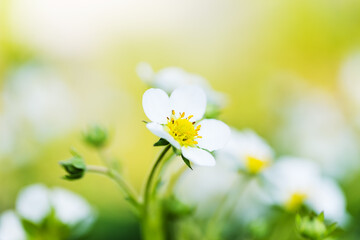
(96, 136)
(313, 227)
(75, 167)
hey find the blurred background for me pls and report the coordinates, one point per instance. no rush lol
(290, 70)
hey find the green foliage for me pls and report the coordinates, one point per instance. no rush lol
(161, 142)
(96, 136)
(175, 209)
(313, 227)
(75, 167)
(186, 161)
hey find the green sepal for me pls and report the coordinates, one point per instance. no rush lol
(74, 152)
(331, 228)
(186, 161)
(313, 227)
(321, 217)
(161, 142)
(75, 167)
(176, 151)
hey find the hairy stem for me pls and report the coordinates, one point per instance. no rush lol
(151, 177)
(129, 193)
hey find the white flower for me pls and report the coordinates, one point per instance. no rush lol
(350, 78)
(319, 131)
(35, 203)
(170, 78)
(249, 151)
(299, 181)
(210, 186)
(70, 208)
(349, 81)
(177, 120)
(10, 227)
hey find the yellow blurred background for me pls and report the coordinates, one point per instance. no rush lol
(261, 54)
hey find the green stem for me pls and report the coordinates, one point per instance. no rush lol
(130, 195)
(151, 177)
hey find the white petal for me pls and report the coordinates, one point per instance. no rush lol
(198, 156)
(156, 105)
(70, 208)
(33, 203)
(328, 198)
(10, 227)
(189, 99)
(159, 131)
(215, 134)
(170, 78)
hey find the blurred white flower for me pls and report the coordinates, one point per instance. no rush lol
(35, 203)
(71, 209)
(37, 106)
(168, 79)
(175, 119)
(296, 181)
(208, 186)
(350, 77)
(349, 81)
(10, 227)
(38, 96)
(318, 130)
(248, 151)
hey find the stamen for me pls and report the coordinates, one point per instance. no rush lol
(183, 130)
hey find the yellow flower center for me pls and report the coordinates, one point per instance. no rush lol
(183, 130)
(295, 201)
(255, 165)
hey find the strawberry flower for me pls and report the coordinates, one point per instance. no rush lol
(177, 119)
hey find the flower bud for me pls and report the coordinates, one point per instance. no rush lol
(96, 136)
(75, 167)
(313, 227)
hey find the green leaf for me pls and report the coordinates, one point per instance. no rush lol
(186, 161)
(331, 228)
(321, 216)
(161, 142)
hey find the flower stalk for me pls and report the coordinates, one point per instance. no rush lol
(149, 181)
